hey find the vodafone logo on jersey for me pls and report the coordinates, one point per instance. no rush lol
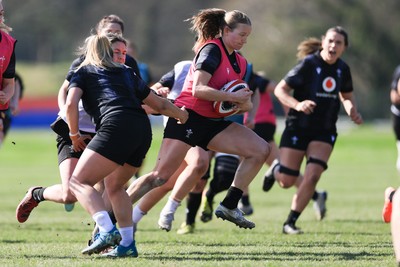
(329, 84)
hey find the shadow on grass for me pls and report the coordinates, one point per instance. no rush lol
(233, 256)
(276, 256)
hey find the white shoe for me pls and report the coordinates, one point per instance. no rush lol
(165, 221)
(235, 216)
(320, 205)
(291, 230)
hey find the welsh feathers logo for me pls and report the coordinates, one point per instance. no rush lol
(329, 84)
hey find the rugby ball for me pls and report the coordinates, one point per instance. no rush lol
(226, 108)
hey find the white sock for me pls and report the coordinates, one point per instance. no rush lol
(103, 220)
(137, 214)
(126, 235)
(171, 206)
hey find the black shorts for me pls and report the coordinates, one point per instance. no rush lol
(265, 130)
(396, 126)
(300, 138)
(64, 143)
(123, 138)
(197, 131)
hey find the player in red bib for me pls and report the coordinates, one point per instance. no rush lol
(220, 35)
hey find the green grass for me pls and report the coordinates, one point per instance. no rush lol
(361, 167)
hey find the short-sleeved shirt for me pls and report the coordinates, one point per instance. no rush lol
(106, 91)
(314, 79)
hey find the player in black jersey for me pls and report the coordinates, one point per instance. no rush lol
(112, 95)
(109, 24)
(319, 83)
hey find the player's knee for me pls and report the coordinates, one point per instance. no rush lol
(261, 152)
(201, 167)
(289, 176)
(318, 162)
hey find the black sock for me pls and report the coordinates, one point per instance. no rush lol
(391, 195)
(37, 194)
(112, 217)
(246, 200)
(193, 205)
(210, 195)
(292, 218)
(232, 198)
(315, 196)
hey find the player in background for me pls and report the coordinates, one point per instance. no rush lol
(305, 48)
(319, 83)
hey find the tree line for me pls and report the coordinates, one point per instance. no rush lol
(50, 31)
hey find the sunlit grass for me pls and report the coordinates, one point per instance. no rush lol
(361, 167)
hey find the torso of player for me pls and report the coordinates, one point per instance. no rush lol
(315, 80)
(110, 91)
(223, 74)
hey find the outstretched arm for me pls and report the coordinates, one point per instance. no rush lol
(165, 107)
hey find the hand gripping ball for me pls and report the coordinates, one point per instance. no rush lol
(226, 108)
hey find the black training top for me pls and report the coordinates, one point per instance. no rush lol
(129, 61)
(168, 79)
(257, 81)
(110, 91)
(314, 79)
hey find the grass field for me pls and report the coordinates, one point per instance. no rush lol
(361, 167)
